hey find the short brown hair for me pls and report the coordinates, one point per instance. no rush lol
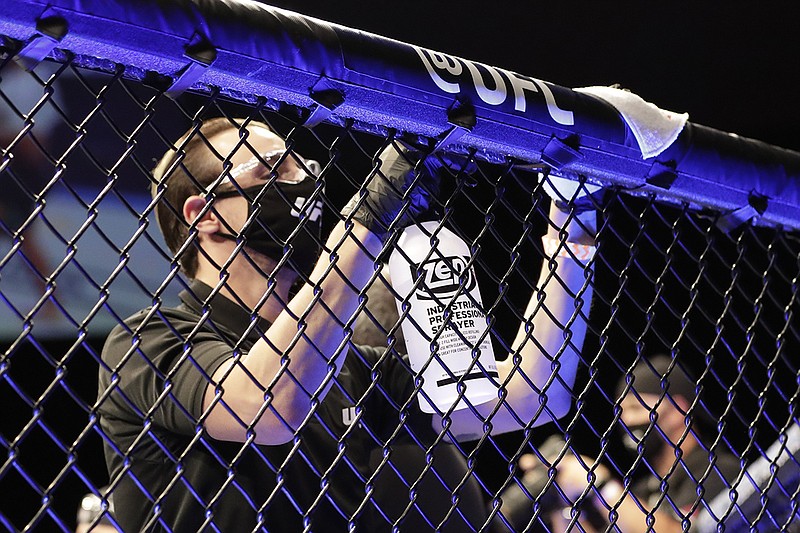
(182, 172)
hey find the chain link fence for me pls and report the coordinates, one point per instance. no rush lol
(681, 412)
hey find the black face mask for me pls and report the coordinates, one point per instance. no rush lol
(283, 207)
(653, 444)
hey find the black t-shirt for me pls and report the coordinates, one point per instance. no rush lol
(686, 480)
(168, 474)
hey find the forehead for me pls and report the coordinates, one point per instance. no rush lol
(229, 144)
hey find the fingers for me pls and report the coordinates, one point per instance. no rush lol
(398, 195)
(573, 195)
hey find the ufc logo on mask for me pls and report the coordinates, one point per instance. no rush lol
(301, 207)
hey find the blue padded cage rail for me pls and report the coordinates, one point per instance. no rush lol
(250, 51)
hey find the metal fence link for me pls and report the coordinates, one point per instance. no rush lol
(684, 395)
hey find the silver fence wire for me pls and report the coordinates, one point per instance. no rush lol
(681, 413)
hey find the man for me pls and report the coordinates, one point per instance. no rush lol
(667, 429)
(245, 407)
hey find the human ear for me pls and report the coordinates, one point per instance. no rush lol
(196, 213)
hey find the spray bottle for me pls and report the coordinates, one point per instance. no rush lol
(445, 329)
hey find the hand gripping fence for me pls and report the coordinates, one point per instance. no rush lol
(162, 370)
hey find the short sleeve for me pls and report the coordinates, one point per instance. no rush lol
(161, 370)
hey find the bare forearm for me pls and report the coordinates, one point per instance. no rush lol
(303, 348)
(547, 346)
(323, 307)
(546, 350)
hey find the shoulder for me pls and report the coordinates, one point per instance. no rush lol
(155, 316)
(717, 469)
(366, 352)
(728, 464)
(721, 458)
(152, 325)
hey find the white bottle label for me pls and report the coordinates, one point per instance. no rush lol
(446, 329)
